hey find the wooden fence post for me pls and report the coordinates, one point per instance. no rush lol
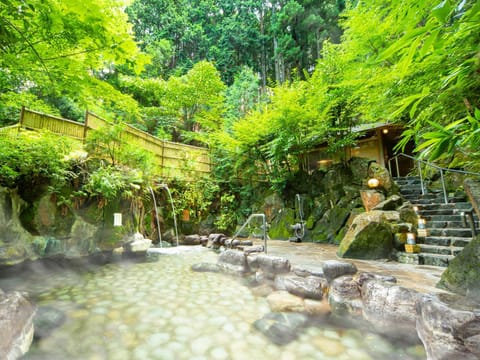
(22, 114)
(85, 127)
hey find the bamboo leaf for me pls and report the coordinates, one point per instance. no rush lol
(406, 62)
(442, 11)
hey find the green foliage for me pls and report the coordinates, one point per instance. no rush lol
(182, 108)
(197, 196)
(106, 182)
(105, 143)
(272, 37)
(110, 143)
(227, 218)
(54, 50)
(31, 159)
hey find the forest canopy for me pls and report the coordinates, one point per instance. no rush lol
(260, 81)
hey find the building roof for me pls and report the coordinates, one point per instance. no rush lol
(373, 126)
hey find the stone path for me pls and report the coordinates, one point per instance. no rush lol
(310, 255)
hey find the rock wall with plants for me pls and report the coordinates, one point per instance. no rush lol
(329, 200)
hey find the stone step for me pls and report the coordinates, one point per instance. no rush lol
(435, 259)
(444, 240)
(406, 178)
(420, 201)
(433, 224)
(450, 232)
(440, 211)
(438, 217)
(423, 259)
(462, 206)
(442, 250)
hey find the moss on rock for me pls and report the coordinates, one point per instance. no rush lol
(280, 226)
(463, 274)
(369, 237)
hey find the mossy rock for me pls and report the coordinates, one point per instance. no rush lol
(463, 273)
(327, 229)
(280, 226)
(369, 237)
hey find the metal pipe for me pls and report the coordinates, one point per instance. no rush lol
(421, 177)
(445, 197)
(264, 225)
(398, 169)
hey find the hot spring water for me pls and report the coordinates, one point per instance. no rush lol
(162, 310)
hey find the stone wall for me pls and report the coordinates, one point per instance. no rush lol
(40, 228)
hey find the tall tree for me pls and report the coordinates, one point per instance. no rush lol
(53, 49)
(271, 37)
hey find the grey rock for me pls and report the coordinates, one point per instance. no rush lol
(16, 320)
(333, 269)
(273, 265)
(390, 308)
(137, 244)
(205, 267)
(252, 261)
(233, 262)
(446, 332)
(345, 297)
(216, 240)
(253, 249)
(192, 239)
(281, 328)
(46, 320)
(363, 277)
(304, 272)
(310, 287)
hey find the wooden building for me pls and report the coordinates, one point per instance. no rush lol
(375, 142)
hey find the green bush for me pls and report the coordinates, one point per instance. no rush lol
(32, 158)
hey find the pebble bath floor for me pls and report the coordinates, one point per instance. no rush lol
(163, 310)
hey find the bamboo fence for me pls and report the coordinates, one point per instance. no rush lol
(173, 159)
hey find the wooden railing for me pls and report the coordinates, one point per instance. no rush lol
(173, 159)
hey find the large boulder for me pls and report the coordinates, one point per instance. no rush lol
(280, 226)
(332, 221)
(369, 236)
(463, 273)
(82, 240)
(16, 324)
(448, 332)
(233, 262)
(390, 308)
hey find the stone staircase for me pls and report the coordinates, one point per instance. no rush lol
(447, 230)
